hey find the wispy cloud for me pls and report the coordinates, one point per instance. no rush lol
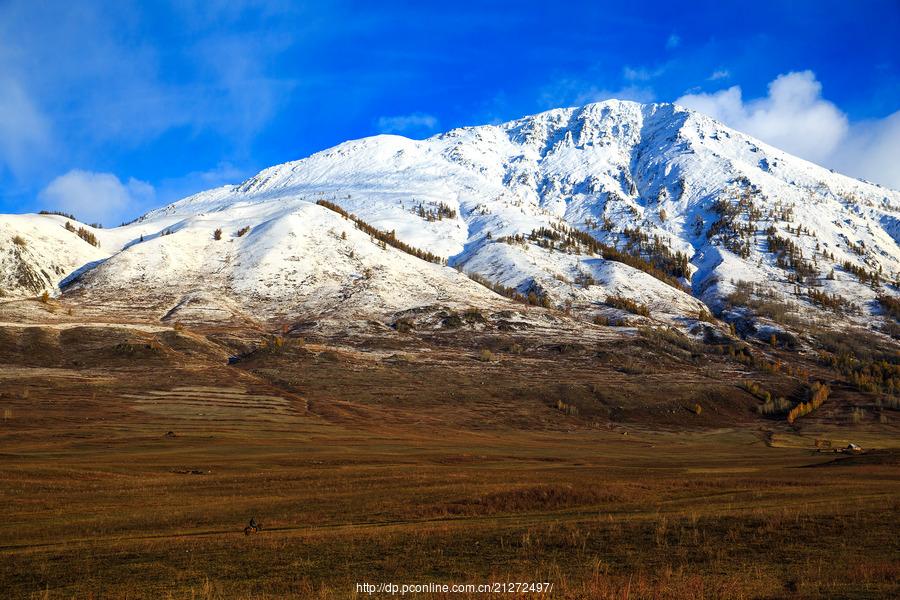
(411, 123)
(25, 134)
(175, 188)
(576, 92)
(719, 74)
(102, 86)
(640, 73)
(103, 81)
(673, 42)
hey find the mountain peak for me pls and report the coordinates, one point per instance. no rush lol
(651, 203)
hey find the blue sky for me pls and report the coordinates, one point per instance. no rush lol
(109, 109)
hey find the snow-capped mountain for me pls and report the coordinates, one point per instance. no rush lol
(648, 202)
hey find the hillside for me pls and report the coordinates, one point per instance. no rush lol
(572, 208)
(37, 253)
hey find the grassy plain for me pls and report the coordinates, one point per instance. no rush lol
(131, 460)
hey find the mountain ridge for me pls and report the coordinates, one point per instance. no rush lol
(511, 204)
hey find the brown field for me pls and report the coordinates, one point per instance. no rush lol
(132, 460)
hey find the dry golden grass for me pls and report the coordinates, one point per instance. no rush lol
(366, 468)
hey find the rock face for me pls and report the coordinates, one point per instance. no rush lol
(584, 208)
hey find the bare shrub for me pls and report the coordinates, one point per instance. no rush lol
(569, 409)
(627, 304)
(486, 355)
(88, 236)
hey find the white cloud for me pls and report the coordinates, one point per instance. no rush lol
(673, 42)
(872, 151)
(97, 197)
(720, 74)
(796, 118)
(407, 123)
(793, 117)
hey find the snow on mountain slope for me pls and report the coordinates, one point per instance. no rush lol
(37, 252)
(653, 180)
(41, 252)
(303, 261)
(527, 205)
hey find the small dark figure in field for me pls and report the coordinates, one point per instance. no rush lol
(253, 527)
